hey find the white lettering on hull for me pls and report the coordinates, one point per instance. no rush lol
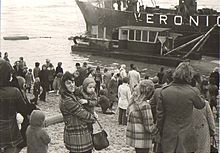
(196, 22)
(177, 19)
(149, 18)
(163, 18)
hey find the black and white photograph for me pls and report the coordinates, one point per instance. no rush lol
(109, 76)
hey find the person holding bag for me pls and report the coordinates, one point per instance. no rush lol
(140, 127)
(77, 137)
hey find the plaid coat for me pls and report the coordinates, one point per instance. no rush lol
(77, 137)
(140, 125)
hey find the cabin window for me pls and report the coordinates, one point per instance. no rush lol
(152, 36)
(123, 34)
(145, 36)
(131, 34)
(138, 35)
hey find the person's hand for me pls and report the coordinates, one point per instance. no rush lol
(96, 115)
(83, 101)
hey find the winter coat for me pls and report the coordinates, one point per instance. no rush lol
(204, 125)
(36, 72)
(29, 79)
(37, 137)
(36, 88)
(174, 117)
(140, 125)
(124, 95)
(51, 74)
(103, 101)
(77, 137)
(43, 75)
(58, 70)
(113, 90)
(11, 102)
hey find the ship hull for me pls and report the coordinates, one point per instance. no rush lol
(190, 29)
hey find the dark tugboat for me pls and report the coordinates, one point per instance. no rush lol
(151, 34)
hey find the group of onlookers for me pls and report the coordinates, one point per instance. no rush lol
(171, 111)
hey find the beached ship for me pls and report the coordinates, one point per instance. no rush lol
(180, 32)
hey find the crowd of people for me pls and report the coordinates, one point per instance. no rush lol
(169, 112)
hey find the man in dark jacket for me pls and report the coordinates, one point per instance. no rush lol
(11, 103)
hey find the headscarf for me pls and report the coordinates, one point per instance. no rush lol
(143, 92)
(5, 72)
(67, 76)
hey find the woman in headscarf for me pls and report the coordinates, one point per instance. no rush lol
(175, 110)
(77, 137)
(140, 127)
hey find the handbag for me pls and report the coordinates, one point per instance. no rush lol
(213, 147)
(100, 140)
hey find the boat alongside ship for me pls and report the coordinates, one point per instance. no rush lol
(153, 35)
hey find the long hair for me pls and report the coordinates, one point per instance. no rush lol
(183, 73)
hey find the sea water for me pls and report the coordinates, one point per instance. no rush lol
(58, 19)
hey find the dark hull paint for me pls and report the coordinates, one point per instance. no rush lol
(112, 19)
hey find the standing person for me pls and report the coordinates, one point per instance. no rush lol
(29, 80)
(57, 82)
(160, 75)
(6, 57)
(204, 124)
(106, 77)
(215, 76)
(124, 95)
(213, 93)
(123, 74)
(175, 110)
(48, 63)
(37, 137)
(134, 77)
(17, 70)
(77, 137)
(51, 74)
(44, 82)
(36, 90)
(11, 103)
(98, 80)
(59, 68)
(81, 75)
(22, 63)
(140, 126)
(36, 69)
(20, 84)
(113, 92)
(85, 69)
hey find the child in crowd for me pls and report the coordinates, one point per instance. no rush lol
(51, 74)
(56, 83)
(87, 97)
(103, 101)
(37, 137)
(124, 95)
(36, 69)
(36, 90)
(29, 80)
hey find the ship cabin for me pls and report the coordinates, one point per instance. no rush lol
(146, 40)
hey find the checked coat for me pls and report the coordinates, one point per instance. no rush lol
(140, 125)
(77, 137)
